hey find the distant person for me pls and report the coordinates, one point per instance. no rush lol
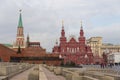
(111, 65)
(102, 65)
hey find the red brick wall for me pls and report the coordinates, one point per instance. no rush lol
(5, 53)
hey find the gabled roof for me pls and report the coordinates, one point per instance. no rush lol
(72, 39)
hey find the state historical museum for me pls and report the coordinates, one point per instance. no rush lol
(73, 50)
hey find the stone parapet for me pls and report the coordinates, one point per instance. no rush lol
(8, 70)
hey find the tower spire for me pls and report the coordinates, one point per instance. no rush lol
(62, 38)
(81, 25)
(20, 34)
(20, 20)
(81, 38)
(28, 38)
(62, 24)
(62, 31)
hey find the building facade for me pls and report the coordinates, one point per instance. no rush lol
(98, 47)
(73, 50)
(114, 57)
(95, 43)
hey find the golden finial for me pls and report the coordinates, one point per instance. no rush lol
(62, 24)
(81, 22)
(20, 10)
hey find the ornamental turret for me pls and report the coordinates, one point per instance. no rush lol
(62, 38)
(81, 38)
(28, 41)
(81, 31)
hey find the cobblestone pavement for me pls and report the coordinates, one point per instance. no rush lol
(22, 76)
(52, 76)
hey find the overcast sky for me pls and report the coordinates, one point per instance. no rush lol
(42, 19)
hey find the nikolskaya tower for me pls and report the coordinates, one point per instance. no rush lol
(20, 42)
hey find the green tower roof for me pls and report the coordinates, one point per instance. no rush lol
(20, 20)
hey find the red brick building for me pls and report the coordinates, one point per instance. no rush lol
(73, 50)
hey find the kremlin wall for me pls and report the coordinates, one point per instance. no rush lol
(72, 50)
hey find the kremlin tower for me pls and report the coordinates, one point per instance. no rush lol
(20, 34)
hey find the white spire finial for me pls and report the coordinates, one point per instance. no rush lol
(81, 24)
